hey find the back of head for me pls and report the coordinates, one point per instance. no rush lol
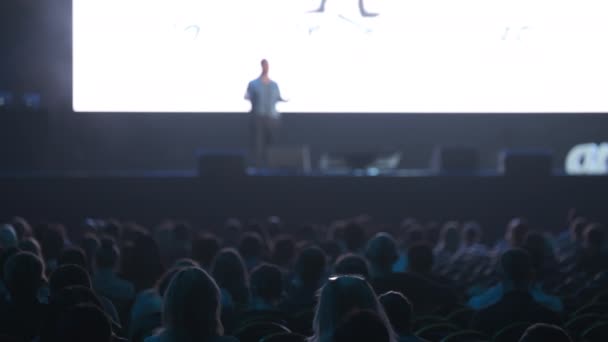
(73, 256)
(449, 236)
(84, 322)
(516, 266)
(251, 245)
(204, 249)
(381, 251)
(352, 264)
(593, 237)
(541, 332)
(108, 253)
(22, 227)
(517, 229)
(399, 311)
(362, 326)
(354, 237)
(68, 275)
(191, 306)
(8, 236)
(23, 275)
(340, 296)
(577, 227)
(52, 240)
(284, 250)
(30, 244)
(228, 267)
(310, 266)
(267, 282)
(420, 258)
(471, 233)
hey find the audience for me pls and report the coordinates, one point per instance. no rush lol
(113, 281)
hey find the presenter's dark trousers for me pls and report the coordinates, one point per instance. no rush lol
(265, 132)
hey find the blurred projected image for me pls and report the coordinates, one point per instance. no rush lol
(354, 56)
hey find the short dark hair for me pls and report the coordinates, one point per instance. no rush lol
(108, 253)
(74, 256)
(68, 275)
(267, 282)
(351, 264)
(516, 265)
(251, 245)
(310, 265)
(23, 274)
(420, 258)
(399, 311)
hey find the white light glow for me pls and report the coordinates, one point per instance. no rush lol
(415, 56)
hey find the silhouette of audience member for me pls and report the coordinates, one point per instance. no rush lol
(22, 228)
(362, 326)
(381, 251)
(339, 297)
(515, 235)
(542, 332)
(231, 275)
(73, 256)
(351, 264)
(90, 244)
(448, 244)
(471, 242)
(106, 280)
(266, 287)
(52, 240)
(399, 311)
(30, 244)
(23, 316)
(191, 309)
(516, 302)
(204, 249)
(593, 257)
(251, 248)
(141, 262)
(84, 322)
(8, 236)
(309, 272)
(354, 237)
(284, 251)
(232, 232)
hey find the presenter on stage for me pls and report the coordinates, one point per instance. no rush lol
(263, 93)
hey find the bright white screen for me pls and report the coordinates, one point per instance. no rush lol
(415, 56)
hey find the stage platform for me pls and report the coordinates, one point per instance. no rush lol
(148, 197)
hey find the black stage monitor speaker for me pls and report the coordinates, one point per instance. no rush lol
(221, 165)
(461, 160)
(525, 163)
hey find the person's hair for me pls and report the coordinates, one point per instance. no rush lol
(420, 257)
(354, 237)
(362, 326)
(541, 332)
(267, 282)
(141, 262)
(399, 311)
(449, 237)
(108, 253)
(339, 297)
(182, 231)
(30, 244)
(191, 306)
(204, 249)
(112, 228)
(382, 251)
(84, 322)
(68, 275)
(90, 244)
(577, 227)
(22, 227)
(251, 245)
(516, 266)
(593, 236)
(74, 256)
(8, 236)
(351, 264)
(284, 251)
(538, 248)
(165, 279)
(517, 229)
(229, 271)
(310, 266)
(471, 233)
(23, 275)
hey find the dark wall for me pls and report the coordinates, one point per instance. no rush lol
(171, 141)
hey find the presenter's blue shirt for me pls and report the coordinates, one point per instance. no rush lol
(263, 97)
